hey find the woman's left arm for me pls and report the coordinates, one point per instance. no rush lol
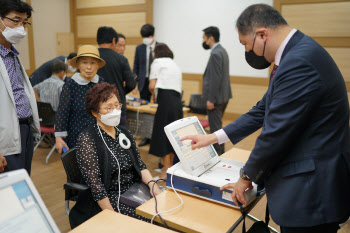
(151, 86)
(148, 179)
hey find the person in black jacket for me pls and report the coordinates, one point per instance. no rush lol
(117, 69)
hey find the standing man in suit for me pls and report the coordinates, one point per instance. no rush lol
(144, 56)
(216, 81)
(19, 121)
(44, 71)
(302, 155)
(117, 70)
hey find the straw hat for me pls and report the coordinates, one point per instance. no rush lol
(87, 51)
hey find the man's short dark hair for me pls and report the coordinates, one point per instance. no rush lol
(105, 35)
(162, 50)
(71, 55)
(147, 30)
(58, 66)
(121, 36)
(212, 31)
(6, 6)
(259, 15)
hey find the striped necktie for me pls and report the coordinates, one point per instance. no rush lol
(273, 71)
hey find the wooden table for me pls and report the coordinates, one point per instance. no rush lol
(140, 119)
(196, 214)
(108, 221)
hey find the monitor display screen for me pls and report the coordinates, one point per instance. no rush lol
(197, 157)
(20, 211)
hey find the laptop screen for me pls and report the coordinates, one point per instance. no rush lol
(20, 211)
(195, 158)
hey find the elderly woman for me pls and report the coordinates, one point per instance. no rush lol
(108, 158)
(166, 86)
(71, 116)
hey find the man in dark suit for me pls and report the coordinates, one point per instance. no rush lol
(144, 56)
(302, 155)
(117, 69)
(44, 71)
(216, 81)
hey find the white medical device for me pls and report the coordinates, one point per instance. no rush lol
(22, 209)
(201, 172)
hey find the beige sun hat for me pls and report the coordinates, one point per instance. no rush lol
(87, 51)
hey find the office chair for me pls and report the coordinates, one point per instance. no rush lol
(199, 106)
(73, 186)
(47, 121)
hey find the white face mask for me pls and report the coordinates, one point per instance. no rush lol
(13, 35)
(111, 118)
(71, 69)
(147, 41)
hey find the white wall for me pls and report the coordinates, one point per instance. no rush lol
(49, 17)
(179, 24)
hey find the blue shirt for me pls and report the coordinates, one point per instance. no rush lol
(10, 59)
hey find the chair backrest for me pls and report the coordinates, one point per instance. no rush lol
(70, 165)
(198, 104)
(46, 113)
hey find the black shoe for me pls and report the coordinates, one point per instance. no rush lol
(145, 142)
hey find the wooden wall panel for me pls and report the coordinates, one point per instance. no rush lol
(106, 3)
(244, 97)
(319, 19)
(190, 87)
(341, 57)
(130, 53)
(127, 23)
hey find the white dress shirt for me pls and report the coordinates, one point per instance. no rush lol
(220, 134)
(167, 73)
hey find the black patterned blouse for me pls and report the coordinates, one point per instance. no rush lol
(88, 162)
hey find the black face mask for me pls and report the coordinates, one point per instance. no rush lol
(255, 61)
(205, 46)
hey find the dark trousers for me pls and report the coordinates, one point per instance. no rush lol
(324, 228)
(145, 93)
(215, 123)
(24, 159)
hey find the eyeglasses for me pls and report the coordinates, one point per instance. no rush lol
(17, 22)
(111, 108)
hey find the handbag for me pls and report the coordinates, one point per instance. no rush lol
(136, 195)
(257, 227)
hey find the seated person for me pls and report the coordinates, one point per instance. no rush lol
(44, 71)
(107, 164)
(49, 91)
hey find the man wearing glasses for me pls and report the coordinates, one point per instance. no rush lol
(19, 120)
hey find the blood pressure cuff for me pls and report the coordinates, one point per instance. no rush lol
(136, 195)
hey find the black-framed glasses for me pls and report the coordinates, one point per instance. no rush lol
(17, 22)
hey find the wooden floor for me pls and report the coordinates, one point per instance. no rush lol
(49, 180)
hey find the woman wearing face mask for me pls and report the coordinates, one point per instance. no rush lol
(71, 116)
(108, 158)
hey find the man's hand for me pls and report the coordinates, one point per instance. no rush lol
(59, 144)
(238, 190)
(210, 105)
(199, 141)
(3, 163)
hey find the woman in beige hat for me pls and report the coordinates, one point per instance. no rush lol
(71, 116)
